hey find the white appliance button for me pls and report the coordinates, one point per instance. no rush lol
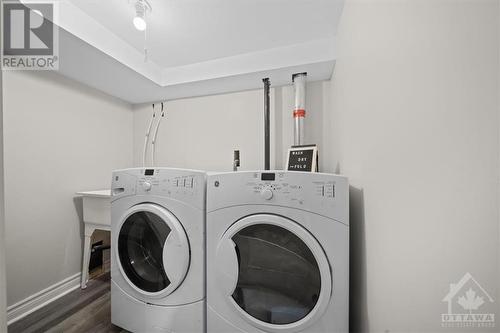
(266, 194)
(146, 186)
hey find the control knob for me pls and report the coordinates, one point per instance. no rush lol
(147, 186)
(266, 194)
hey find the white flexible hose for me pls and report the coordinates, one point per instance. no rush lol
(146, 139)
(153, 142)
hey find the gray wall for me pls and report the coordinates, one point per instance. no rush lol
(414, 101)
(60, 137)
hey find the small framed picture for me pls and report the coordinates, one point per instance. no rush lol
(303, 158)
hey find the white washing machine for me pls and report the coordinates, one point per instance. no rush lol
(277, 252)
(157, 256)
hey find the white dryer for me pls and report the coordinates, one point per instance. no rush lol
(157, 256)
(277, 252)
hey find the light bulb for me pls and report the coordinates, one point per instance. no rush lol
(139, 23)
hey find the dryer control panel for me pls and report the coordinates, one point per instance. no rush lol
(325, 194)
(269, 183)
(183, 185)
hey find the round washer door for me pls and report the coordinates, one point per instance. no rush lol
(152, 250)
(274, 273)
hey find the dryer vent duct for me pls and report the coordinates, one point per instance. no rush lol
(299, 112)
(267, 125)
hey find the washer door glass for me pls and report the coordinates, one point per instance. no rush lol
(278, 280)
(140, 248)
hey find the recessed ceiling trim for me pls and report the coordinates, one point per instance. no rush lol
(102, 56)
(81, 25)
(306, 53)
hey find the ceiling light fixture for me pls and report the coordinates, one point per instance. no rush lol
(140, 23)
(141, 8)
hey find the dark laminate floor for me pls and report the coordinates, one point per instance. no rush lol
(86, 310)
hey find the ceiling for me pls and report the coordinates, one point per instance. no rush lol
(183, 32)
(195, 47)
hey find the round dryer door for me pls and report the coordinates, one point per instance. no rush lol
(274, 272)
(153, 250)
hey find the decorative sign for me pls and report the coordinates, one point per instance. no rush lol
(303, 158)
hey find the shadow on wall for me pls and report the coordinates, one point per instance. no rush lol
(78, 202)
(358, 313)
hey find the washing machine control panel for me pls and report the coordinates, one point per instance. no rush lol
(180, 184)
(184, 185)
(303, 190)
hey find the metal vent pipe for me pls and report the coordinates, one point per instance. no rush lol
(267, 125)
(299, 112)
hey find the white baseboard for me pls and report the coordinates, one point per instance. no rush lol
(40, 299)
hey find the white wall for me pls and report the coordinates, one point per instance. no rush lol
(202, 132)
(60, 137)
(415, 109)
(3, 297)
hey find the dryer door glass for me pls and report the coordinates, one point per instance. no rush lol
(279, 280)
(140, 248)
